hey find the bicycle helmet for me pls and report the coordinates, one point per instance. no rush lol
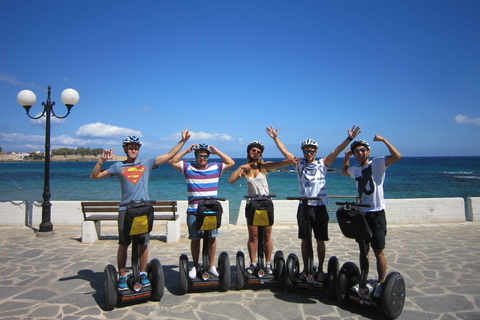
(360, 142)
(202, 146)
(131, 140)
(309, 143)
(256, 144)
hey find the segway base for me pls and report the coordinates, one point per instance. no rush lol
(127, 296)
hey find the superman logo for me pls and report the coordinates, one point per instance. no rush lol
(133, 174)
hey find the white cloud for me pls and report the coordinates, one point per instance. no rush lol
(53, 121)
(200, 137)
(21, 138)
(100, 130)
(13, 80)
(462, 119)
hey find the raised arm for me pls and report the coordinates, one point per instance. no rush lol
(175, 161)
(328, 161)
(394, 154)
(273, 133)
(97, 172)
(227, 161)
(166, 157)
(346, 163)
(238, 173)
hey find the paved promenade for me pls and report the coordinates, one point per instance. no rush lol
(58, 277)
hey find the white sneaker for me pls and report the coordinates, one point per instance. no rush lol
(251, 269)
(193, 273)
(213, 271)
(378, 290)
(268, 266)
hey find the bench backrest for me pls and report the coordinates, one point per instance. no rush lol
(112, 206)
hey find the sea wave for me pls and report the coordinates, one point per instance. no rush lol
(467, 177)
(460, 172)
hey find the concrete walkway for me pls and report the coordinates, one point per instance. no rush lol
(59, 277)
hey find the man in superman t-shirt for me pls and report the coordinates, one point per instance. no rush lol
(133, 175)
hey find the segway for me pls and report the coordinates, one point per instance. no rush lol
(137, 223)
(293, 277)
(259, 213)
(209, 217)
(352, 283)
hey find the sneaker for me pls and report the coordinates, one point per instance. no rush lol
(144, 279)
(213, 271)
(192, 274)
(122, 283)
(269, 268)
(251, 269)
(378, 290)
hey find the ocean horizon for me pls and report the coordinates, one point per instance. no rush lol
(411, 177)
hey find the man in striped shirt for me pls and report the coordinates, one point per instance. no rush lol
(202, 181)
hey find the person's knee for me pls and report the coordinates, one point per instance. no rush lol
(378, 253)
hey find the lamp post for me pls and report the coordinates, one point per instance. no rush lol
(27, 99)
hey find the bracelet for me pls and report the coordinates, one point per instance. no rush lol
(349, 138)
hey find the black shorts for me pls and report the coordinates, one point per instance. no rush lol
(378, 224)
(318, 217)
(124, 238)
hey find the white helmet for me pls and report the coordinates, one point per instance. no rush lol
(202, 146)
(309, 143)
(131, 140)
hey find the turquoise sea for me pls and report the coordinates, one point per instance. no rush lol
(411, 177)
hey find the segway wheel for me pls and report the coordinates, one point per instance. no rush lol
(240, 282)
(279, 269)
(183, 272)
(110, 287)
(224, 267)
(292, 270)
(393, 297)
(157, 279)
(348, 276)
(332, 276)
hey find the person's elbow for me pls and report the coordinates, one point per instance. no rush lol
(345, 173)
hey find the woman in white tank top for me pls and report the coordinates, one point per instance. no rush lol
(255, 174)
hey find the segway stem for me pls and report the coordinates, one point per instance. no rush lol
(135, 260)
(205, 251)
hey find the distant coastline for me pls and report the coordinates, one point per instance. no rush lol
(60, 158)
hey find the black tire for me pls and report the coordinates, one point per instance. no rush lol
(279, 269)
(157, 279)
(332, 275)
(183, 273)
(224, 267)
(110, 287)
(393, 296)
(291, 272)
(240, 282)
(348, 276)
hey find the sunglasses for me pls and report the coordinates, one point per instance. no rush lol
(202, 157)
(308, 152)
(256, 151)
(363, 150)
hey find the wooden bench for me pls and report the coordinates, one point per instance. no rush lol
(96, 211)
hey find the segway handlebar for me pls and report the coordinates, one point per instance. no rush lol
(304, 198)
(208, 198)
(346, 203)
(136, 201)
(258, 196)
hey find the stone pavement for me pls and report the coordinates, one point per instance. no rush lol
(58, 277)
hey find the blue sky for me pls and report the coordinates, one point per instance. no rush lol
(407, 70)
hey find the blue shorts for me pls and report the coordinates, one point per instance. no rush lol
(124, 238)
(193, 232)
